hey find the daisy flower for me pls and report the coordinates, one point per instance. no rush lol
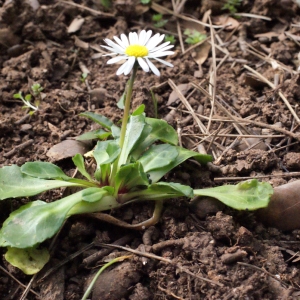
(138, 47)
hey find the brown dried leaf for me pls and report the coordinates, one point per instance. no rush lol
(202, 53)
(141, 9)
(224, 20)
(184, 88)
(75, 24)
(268, 35)
(81, 44)
(66, 149)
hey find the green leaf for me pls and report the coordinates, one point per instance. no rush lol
(96, 194)
(79, 163)
(35, 222)
(145, 1)
(94, 134)
(28, 97)
(158, 156)
(43, 170)
(99, 119)
(121, 102)
(107, 202)
(159, 191)
(157, 17)
(106, 3)
(105, 153)
(160, 131)
(115, 131)
(18, 96)
(139, 110)
(160, 23)
(134, 130)
(14, 183)
(30, 260)
(247, 195)
(130, 176)
(160, 159)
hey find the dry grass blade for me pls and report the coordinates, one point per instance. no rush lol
(19, 282)
(163, 259)
(253, 16)
(236, 124)
(264, 79)
(269, 60)
(177, 8)
(265, 271)
(96, 12)
(162, 9)
(261, 136)
(213, 76)
(260, 124)
(187, 105)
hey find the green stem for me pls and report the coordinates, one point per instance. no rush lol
(127, 105)
(91, 285)
(124, 122)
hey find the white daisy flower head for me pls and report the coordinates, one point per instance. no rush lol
(138, 47)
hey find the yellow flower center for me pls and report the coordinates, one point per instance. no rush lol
(136, 50)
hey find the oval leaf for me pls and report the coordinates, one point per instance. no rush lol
(44, 170)
(99, 119)
(14, 183)
(35, 222)
(247, 195)
(29, 260)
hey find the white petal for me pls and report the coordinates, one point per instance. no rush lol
(124, 39)
(143, 64)
(164, 62)
(122, 68)
(115, 46)
(142, 37)
(119, 42)
(152, 67)
(148, 35)
(136, 38)
(112, 49)
(154, 41)
(129, 66)
(133, 38)
(110, 54)
(156, 36)
(116, 59)
(161, 47)
(161, 53)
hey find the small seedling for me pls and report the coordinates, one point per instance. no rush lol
(106, 3)
(159, 21)
(36, 92)
(145, 1)
(232, 5)
(36, 89)
(194, 36)
(27, 101)
(170, 38)
(84, 77)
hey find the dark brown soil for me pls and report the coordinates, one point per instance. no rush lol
(246, 259)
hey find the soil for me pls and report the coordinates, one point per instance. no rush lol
(244, 258)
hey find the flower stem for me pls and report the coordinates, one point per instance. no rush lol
(124, 122)
(127, 105)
